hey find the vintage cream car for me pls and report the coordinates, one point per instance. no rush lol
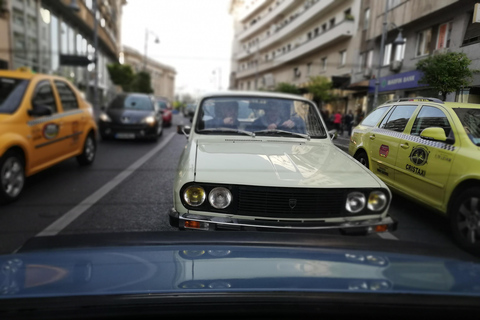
(265, 161)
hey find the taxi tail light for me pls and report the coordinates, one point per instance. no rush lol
(197, 225)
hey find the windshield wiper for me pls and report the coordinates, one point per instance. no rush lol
(248, 133)
(306, 136)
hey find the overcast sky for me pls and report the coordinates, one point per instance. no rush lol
(195, 38)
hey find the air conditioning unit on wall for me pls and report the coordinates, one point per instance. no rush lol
(396, 65)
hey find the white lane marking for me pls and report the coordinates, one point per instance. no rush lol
(387, 235)
(83, 206)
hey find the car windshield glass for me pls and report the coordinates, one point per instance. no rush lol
(162, 104)
(470, 119)
(131, 102)
(262, 115)
(11, 94)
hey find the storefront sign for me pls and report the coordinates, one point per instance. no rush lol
(405, 80)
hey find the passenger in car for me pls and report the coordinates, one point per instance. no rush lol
(226, 114)
(277, 116)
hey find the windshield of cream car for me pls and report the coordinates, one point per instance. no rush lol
(259, 115)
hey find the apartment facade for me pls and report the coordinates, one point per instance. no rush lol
(428, 27)
(162, 76)
(35, 33)
(290, 41)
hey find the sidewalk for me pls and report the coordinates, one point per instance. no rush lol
(342, 141)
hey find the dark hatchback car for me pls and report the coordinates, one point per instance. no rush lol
(131, 116)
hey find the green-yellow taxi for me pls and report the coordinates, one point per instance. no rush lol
(429, 151)
(43, 120)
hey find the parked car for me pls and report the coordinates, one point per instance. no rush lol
(131, 116)
(166, 111)
(273, 168)
(189, 111)
(428, 151)
(43, 121)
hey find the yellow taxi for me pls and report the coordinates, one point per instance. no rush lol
(429, 151)
(43, 120)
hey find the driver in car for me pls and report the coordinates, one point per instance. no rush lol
(226, 114)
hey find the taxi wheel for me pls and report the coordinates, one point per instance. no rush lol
(12, 176)
(465, 220)
(362, 157)
(89, 151)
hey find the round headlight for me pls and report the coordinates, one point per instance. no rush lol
(355, 202)
(220, 197)
(194, 195)
(377, 200)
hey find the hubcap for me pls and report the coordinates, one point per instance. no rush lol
(12, 177)
(89, 149)
(469, 220)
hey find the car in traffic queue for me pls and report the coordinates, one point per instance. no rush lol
(166, 111)
(131, 116)
(429, 151)
(43, 121)
(189, 111)
(245, 172)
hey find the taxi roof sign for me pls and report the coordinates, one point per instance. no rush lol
(416, 99)
(24, 69)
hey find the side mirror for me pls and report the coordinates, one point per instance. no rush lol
(184, 130)
(332, 134)
(434, 133)
(39, 110)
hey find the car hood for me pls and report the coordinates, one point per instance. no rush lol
(128, 116)
(226, 262)
(279, 163)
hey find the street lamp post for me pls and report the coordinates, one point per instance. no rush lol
(218, 76)
(157, 40)
(398, 41)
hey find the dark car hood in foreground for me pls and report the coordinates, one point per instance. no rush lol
(128, 116)
(228, 262)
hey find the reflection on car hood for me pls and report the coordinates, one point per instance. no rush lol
(231, 266)
(127, 115)
(279, 163)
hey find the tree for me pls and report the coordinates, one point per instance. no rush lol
(121, 75)
(287, 88)
(320, 87)
(446, 72)
(142, 83)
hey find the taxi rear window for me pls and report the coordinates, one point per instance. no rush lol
(470, 119)
(11, 94)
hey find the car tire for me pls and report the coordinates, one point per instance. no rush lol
(362, 157)
(89, 151)
(465, 220)
(12, 176)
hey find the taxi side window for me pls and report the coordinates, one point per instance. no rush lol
(373, 118)
(430, 117)
(67, 96)
(397, 119)
(43, 96)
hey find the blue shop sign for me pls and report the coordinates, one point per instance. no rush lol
(405, 80)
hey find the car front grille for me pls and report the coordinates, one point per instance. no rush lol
(290, 202)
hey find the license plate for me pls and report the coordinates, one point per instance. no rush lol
(125, 136)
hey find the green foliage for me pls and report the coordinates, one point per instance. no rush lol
(320, 87)
(287, 88)
(446, 72)
(142, 83)
(121, 75)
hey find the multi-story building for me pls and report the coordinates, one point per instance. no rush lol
(428, 27)
(290, 41)
(162, 76)
(35, 33)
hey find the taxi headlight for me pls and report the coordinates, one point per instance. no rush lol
(377, 201)
(355, 202)
(194, 196)
(220, 197)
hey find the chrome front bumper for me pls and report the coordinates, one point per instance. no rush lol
(204, 222)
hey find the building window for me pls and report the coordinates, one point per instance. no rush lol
(296, 73)
(324, 63)
(316, 31)
(366, 19)
(443, 37)
(387, 54)
(472, 34)
(309, 68)
(361, 62)
(332, 23)
(369, 60)
(324, 27)
(424, 39)
(343, 58)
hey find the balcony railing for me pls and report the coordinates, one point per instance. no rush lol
(341, 31)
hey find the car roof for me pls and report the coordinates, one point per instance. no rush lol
(259, 94)
(448, 105)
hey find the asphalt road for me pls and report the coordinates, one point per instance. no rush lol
(129, 188)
